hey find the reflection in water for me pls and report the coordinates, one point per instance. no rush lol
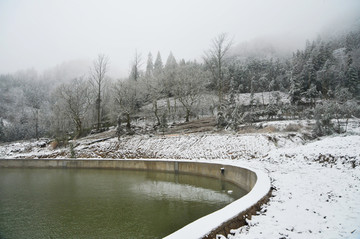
(82, 203)
(173, 191)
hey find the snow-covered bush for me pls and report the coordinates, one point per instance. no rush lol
(332, 116)
(324, 114)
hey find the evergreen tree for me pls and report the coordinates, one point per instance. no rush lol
(170, 74)
(171, 63)
(352, 81)
(352, 41)
(158, 65)
(326, 77)
(295, 91)
(311, 94)
(308, 75)
(149, 67)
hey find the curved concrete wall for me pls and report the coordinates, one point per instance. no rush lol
(255, 182)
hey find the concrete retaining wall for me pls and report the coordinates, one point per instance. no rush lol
(241, 177)
(256, 183)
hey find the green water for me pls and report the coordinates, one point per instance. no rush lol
(87, 203)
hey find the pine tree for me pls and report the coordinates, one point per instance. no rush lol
(326, 77)
(170, 74)
(353, 82)
(295, 91)
(149, 67)
(308, 75)
(171, 62)
(158, 65)
(311, 94)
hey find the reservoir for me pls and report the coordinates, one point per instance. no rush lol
(105, 203)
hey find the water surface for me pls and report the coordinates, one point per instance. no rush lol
(93, 203)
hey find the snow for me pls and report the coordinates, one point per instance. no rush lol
(204, 225)
(316, 182)
(311, 200)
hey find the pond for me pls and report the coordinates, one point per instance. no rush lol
(104, 203)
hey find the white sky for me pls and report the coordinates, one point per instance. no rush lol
(43, 33)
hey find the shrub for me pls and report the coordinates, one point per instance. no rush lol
(323, 114)
(72, 151)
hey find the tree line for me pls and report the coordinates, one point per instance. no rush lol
(32, 106)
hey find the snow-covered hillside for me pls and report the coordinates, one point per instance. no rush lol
(316, 182)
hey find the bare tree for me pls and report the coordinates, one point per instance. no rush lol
(97, 79)
(75, 100)
(35, 95)
(215, 58)
(189, 86)
(126, 99)
(135, 73)
(154, 89)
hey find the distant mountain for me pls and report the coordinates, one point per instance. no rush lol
(267, 47)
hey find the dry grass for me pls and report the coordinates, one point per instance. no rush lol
(293, 128)
(268, 129)
(253, 129)
(54, 144)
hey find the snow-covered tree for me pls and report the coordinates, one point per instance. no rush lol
(216, 60)
(136, 64)
(169, 74)
(74, 100)
(149, 67)
(189, 85)
(98, 80)
(311, 94)
(158, 65)
(126, 98)
(154, 89)
(295, 91)
(353, 81)
(36, 96)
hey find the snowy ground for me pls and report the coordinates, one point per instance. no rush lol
(317, 183)
(312, 199)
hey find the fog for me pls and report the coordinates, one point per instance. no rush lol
(42, 34)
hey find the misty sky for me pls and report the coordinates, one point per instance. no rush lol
(41, 34)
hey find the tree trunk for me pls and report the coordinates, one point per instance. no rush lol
(98, 106)
(156, 112)
(37, 124)
(220, 79)
(187, 117)
(168, 105)
(78, 128)
(128, 125)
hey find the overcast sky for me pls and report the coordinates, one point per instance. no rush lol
(41, 34)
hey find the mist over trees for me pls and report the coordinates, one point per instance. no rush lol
(320, 82)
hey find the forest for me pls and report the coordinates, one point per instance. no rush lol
(320, 82)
